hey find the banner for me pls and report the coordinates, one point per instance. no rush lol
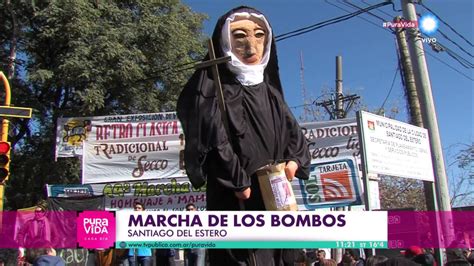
(126, 161)
(71, 132)
(162, 194)
(334, 174)
(76, 204)
(395, 148)
(149, 148)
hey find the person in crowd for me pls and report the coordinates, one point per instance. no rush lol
(375, 260)
(320, 258)
(261, 128)
(139, 256)
(195, 256)
(311, 256)
(37, 228)
(470, 257)
(44, 256)
(165, 257)
(457, 256)
(329, 262)
(351, 258)
(399, 261)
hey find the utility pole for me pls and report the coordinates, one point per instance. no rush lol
(413, 103)
(339, 114)
(407, 70)
(339, 111)
(415, 113)
(335, 108)
(428, 113)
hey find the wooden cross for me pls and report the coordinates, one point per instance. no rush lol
(213, 62)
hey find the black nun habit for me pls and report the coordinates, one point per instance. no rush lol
(262, 131)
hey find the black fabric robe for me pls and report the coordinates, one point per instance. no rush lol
(262, 131)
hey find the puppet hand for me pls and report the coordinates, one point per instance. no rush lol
(243, 195)
(290, 170)
(21, 252)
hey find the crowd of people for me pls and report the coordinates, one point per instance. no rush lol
(413, 255)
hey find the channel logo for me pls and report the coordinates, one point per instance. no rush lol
(96, 229)
(429, 24)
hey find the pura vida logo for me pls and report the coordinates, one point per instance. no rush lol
(96, 226)
(96, 229)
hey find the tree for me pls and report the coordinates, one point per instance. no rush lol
(460, 166)
(87, 58)
(401, 193)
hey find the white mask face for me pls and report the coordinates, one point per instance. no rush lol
(246, 38)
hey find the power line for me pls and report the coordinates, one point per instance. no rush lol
(313, 27)
(366, 20)
(368, 4)
(277, 38)
(464, 62)
(455, 43)
(335, 20)
(314, 101)
(448, 65)
(391, 88)
(360, 8)
(445, 23)
(438, 46)
(452, 41)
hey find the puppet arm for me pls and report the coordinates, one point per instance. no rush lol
(231, 174)
(296, 152)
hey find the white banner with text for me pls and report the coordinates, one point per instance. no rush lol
(395, 148)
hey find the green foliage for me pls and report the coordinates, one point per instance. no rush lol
(86, 58)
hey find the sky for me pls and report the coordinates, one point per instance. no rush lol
(369, 56)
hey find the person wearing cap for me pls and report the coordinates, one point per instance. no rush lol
(418, 255)
(412, 252)
(261, 128)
